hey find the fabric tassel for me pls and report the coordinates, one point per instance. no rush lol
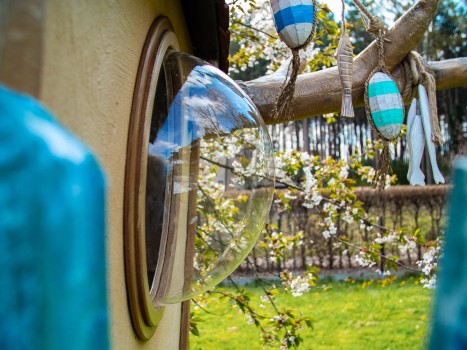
(383, 167)
(416, 73)
(283, 105)
(430, 85)
(415, 145)
(427, 125)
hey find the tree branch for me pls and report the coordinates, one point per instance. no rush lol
(256, 29)
(320, 92)
(450, 73)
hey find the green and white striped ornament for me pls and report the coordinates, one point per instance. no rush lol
(386, 105)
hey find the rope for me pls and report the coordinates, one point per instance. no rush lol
(373, 24)
(283, 105)
(383, 166)
(415, 69)
(343, 17)
(417, 72)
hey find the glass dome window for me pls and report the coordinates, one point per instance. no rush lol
(209, 182)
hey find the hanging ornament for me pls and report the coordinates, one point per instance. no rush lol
(419, 134)
(295, 22)
(416, 73)
(422, 119)
(415, 145)
(427, 128)
(385, 112)
(345, 66)
(383, 102)
(385, 105)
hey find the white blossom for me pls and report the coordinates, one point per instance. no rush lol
(429, 265)
(250, 319)
(363, 261)
(344, 172)
(299, 285)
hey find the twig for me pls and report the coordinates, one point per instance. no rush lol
(216, 212)
(258, 30)
(382, 255)
(296, 187)
(206, 310)
(268, 296)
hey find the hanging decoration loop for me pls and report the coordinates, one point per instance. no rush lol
(416, 73)
(295, 23)
(383, 102)
(373, 24)
(380, 44)
(381, 67)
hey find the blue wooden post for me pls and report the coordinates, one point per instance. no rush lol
(450, 316)
(52, 227)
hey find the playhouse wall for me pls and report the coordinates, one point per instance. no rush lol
(91, 51)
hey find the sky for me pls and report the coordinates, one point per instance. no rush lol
(335, 6)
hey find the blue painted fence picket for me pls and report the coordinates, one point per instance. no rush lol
(52, 230)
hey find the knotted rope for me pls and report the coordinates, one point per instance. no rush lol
(375, 25)
(416, 73)
(283, 106)
(344, 27)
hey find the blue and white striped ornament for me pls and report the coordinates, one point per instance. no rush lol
(294, 20)
(386, 105)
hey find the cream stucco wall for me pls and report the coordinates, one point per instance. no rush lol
(91, 55)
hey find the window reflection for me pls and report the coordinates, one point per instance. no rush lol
(209, 181)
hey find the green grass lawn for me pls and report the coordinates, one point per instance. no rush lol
(345, 316)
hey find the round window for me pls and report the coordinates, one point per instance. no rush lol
(199, 179)
(209, 179)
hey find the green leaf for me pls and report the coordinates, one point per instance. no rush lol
(195, 331)
(376, 246)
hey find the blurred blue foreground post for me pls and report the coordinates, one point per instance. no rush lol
(52, 227)
(450, 316)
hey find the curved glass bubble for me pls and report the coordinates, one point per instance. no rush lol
(210, 179)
